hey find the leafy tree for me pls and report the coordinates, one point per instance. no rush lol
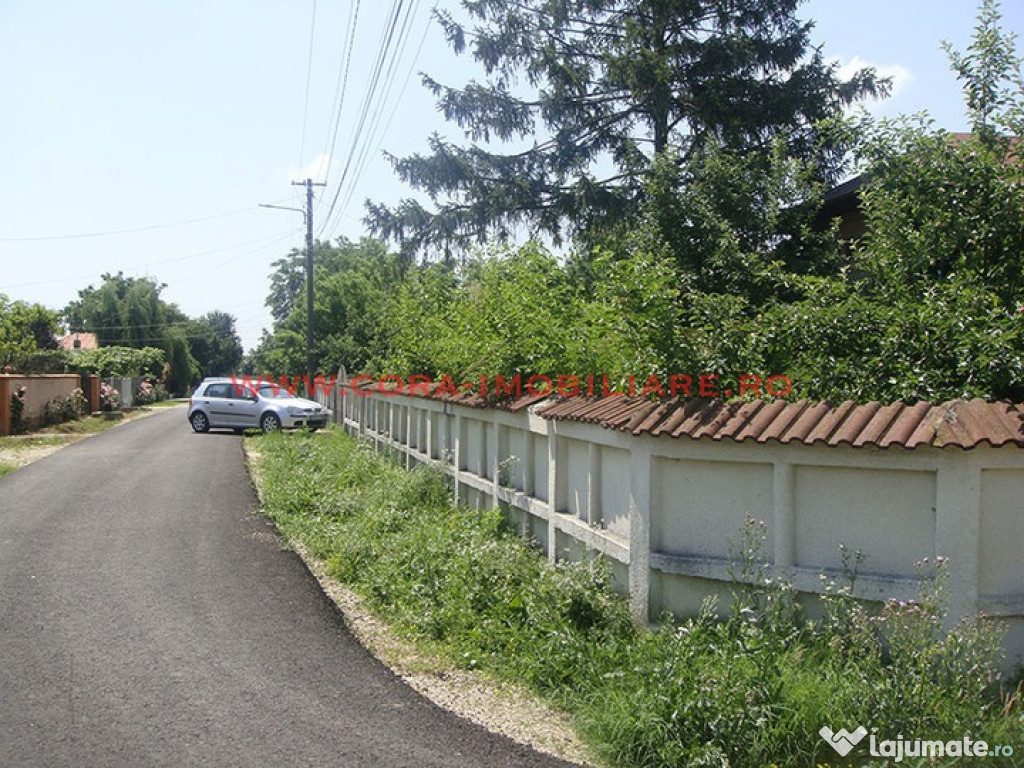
(123, 310)
(353, 284)
(214, 343)
(944, 208)
(181, 368)
(608, 86)
(288, 280)
(418, 316)
(128, 311)
(733, 222)
(26, 330)
(524, 312)
(991, 72)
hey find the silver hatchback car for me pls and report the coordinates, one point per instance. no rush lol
(228, 403)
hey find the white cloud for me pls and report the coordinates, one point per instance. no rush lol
(900, 76)
(316, 170)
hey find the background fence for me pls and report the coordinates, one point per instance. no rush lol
(666, 511)
(41, 389)
(127, 387)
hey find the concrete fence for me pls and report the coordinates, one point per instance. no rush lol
(666, 511)
(127, 387)
(39, 390)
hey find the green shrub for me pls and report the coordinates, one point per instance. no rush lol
(66, 408)
(18, 411)
(121, 361)
(110, 398)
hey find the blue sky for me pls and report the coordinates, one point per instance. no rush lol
(142, 136)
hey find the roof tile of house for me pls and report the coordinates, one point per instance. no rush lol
(85, 341)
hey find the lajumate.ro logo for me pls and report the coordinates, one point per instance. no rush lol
(844, 742)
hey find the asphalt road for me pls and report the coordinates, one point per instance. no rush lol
(148, 618)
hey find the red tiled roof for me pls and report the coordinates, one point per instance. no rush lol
(85, 341)
(957, 423)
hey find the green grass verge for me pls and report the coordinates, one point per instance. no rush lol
(750, 689)
(6, 469)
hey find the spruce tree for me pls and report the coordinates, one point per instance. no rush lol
(583, 95)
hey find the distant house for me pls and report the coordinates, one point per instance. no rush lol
(79, 340)
(843, 202)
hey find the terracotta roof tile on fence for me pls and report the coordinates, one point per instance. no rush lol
(958, 423)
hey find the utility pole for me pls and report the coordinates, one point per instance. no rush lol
(308, 215)
(308, 183)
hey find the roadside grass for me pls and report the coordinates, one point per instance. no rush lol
(24, 442)
(749, 684)
(87, 425)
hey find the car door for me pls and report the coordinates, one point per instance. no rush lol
(219, 406)
(245, 407)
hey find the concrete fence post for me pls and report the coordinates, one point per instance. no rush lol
(5, 405)
(958, 533)
(640, 532)
(93, 394)
(457, 447)
(784, 518)
(556, 484)
(493, 450)
(529, 457)
(593, 510)
(429, 437)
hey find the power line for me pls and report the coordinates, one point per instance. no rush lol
(389, 79)
(371, 91)
(169, 324)
(341, 86)
(392, 51)
(220, 265)
(111, 232)
(309, 77)
(381, 131)
(92, 276)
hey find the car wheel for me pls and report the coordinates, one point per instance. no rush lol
(199, 422)
(270, 422)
